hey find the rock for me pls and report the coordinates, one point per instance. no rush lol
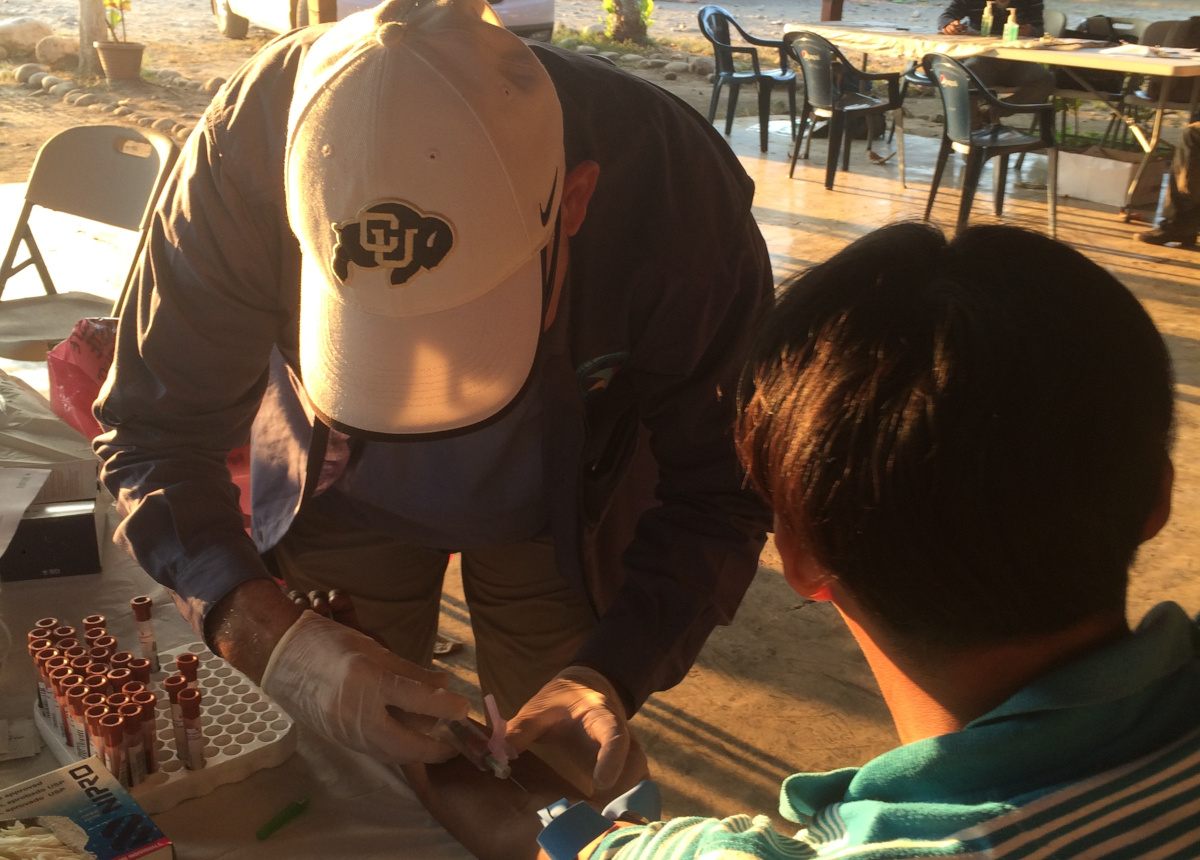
(917, 12)
(34, 81)
(20, 35)
(213, 84)
(676, 66)
(163, 124)
(61, 89)
(181, 131)
(49, 81)
(86, 100)
(195, 85)
(98, 107)
(587, 49)
(121, 110)
(597, 29)
(69, 96)
(670, 76)
(631, 58)
(652, 64)
(702, 66)
(166, 76)
(145, 121)
(52, 49)
(611, 55)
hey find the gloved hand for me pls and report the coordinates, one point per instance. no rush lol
(584, 696)
(340, 683)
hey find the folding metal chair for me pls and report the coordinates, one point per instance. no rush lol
(111, 174)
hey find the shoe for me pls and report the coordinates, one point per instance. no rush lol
(1164, 235)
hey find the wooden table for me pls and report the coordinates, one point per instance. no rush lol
(1069, 54)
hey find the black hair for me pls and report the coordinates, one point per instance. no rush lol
(970, 435)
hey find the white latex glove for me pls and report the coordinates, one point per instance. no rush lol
(584, 696)
(340, 683)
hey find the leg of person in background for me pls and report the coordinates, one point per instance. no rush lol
(1181, 215)
(396, 587)
(1031, 84)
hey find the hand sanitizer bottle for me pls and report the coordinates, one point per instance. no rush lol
(1012, 29)
(985, 23)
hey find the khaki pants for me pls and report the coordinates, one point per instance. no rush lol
(528, 622)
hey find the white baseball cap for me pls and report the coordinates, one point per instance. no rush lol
(424, 171)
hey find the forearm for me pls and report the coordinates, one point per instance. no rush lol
(246, 624)
(956, 11)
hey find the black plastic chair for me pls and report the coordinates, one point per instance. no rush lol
(957, 85)
(715, 24)
(832, 89)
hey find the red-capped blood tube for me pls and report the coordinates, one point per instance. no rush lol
(80, 664)
(133, 687)
(140, 668)
(65, 685)
(46, 623)
(108, 642)
(90, 637)
(65, 645)
(118, 678)
(74, 652)
(44, 694)
(189, 706)
(58, 715)
(75, 696)
(135, 751)
(38, 638)
(120, 660)
(93, 622)
(100, 655)
(92, 716)
(188, 665)
(149, 701)
(115, 700)
(63, 631)
(97, 683)
(143, 616)
(113, 727)
(173, 685)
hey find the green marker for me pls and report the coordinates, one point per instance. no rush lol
(284, 815)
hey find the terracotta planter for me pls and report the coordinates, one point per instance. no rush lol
(121, 61)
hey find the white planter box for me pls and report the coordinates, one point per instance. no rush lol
(1103, 176)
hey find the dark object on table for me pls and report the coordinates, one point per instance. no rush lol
(957, 84)
(53, 541)
(833, 88)
(715, 24)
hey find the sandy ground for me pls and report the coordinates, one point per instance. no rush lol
(783, 688)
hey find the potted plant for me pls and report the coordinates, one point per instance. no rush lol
(120, 58)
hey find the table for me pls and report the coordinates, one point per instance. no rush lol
(1070, 54)
(358, 807)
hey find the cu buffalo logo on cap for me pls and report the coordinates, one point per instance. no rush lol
(391, 234)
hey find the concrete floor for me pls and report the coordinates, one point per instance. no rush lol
(784, 688)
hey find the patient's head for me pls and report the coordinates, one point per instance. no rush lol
(970, 436)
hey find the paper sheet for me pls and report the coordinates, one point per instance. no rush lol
(17, 489)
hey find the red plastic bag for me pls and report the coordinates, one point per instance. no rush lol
(78, 367)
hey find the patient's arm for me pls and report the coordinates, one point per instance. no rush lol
(494, 818)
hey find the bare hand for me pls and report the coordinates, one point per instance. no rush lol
(955, 28)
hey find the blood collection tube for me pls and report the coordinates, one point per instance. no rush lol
(143, 616)
(118, 678)
(188, 664)
(132, 687)
(65, 685)
(90, 636)
(75, 696)
(173, 685)
(67, 644)
(140, 668)
(135, 751)
(64, 631)
(120, 660)
(115, 700)
(44, 694)
(189, 706)
(38, 638)
(113, 728)
(148, 702)
(109, 644)
(58, 715)
(93, 622)
(80, 664)
(91, 715)
(96, 683)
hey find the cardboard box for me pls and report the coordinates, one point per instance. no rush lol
(1103, 176)
(84, 809)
